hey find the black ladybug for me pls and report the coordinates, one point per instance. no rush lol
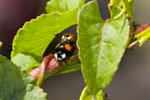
(66, 47)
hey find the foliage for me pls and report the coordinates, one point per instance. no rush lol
(107, 42)
(61, 6)
(87, 96)
(16, 85)
(36, 35)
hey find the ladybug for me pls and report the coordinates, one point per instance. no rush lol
(66, 47)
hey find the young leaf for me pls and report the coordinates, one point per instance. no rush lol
(101, 45)
(36, 35)
(25, 62)
(63, 5)
(125, 5)
(85, 95)
(128, 6)
(15, 85)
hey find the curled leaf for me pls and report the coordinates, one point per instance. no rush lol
(49, 63)
(50, 66)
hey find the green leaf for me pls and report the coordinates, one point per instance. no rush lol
(125, 5)
(15, 85)
(34, 37)
(25, 62)
(116, 2)
(101, 45)
(63, 5)
(128, 5)
(85, 95)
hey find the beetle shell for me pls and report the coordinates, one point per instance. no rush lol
(66, 47)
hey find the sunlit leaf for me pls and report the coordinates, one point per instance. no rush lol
(101, 45)
(34, 37)
(63, 5)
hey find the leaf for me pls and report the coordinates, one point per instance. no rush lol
(34, 37)
(25, 62)
(101, 45)
(63, 5)
(15, 85)
(126, 6)
(85, 95)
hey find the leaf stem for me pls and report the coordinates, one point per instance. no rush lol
(41, 76)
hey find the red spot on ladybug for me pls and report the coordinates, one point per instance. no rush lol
(68, 47)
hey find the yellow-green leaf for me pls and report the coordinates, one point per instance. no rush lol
(63, 5)
(101, 45)
(34, 37)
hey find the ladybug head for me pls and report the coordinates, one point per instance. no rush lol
(69, 37)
